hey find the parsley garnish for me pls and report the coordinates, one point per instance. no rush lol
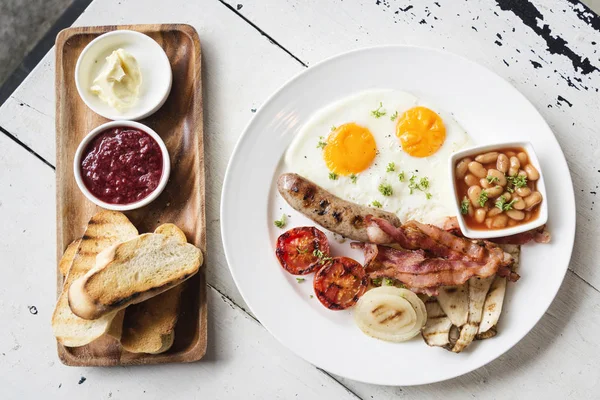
(333, 127)
(401, 177)
(333, 176)
(300, 280)
(322, 258)
(500, 203)
(311, 296)
(503, 205)
(517, 181)
(483, 197)
(378, 113)
(376, 204)
(391, 167)
(376, 281)
(301, 251)
(353, 178)
(385, 189)
(422, 185)
(464, 206)
(280, 223)
(388, 282)
(492, 179)
(394, 116)
(412, 183)
(321, 144)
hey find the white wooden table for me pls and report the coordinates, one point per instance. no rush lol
(548, 49)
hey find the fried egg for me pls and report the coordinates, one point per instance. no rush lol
(382, 148)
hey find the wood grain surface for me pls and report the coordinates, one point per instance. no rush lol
(179, 123)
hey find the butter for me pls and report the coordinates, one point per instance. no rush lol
(118, 83)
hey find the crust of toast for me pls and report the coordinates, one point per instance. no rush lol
(139, 269)
(149, 326)
(171, 230)
(105, 229)
(67, 258)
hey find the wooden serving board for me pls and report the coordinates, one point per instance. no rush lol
(179, 123)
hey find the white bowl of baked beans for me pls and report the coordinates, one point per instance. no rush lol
(499, 190)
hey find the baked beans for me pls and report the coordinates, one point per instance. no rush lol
(497, 189)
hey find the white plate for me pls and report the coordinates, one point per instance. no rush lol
(488, 108)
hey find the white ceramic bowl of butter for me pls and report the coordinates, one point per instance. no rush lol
(154, 67)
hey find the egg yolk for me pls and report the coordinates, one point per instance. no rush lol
(350, 149)
(421, 132)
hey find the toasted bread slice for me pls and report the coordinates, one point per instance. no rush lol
(116, 325)
(171, 230)
(149, 326)
(67, 258)
(115, 329)
(105, 229)
(132, 272)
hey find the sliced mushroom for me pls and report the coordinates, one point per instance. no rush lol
(478, 289)
(493, 305)
(437, 328)
(515, 251)
(454, 300)
(487, 334)
(484, 305)
(495, 297)
(454, 335)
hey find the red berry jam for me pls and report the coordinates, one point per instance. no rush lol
(122, 165)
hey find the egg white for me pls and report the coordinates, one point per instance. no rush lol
(305, 158)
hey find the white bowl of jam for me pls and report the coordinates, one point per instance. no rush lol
(122, 165)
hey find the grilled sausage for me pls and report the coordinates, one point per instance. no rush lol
(331, 212)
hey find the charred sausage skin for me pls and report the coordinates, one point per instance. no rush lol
(329, 211)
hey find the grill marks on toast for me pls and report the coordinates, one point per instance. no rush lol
(67, 259)
(138, 270)
(146, 327)
(104, 229)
